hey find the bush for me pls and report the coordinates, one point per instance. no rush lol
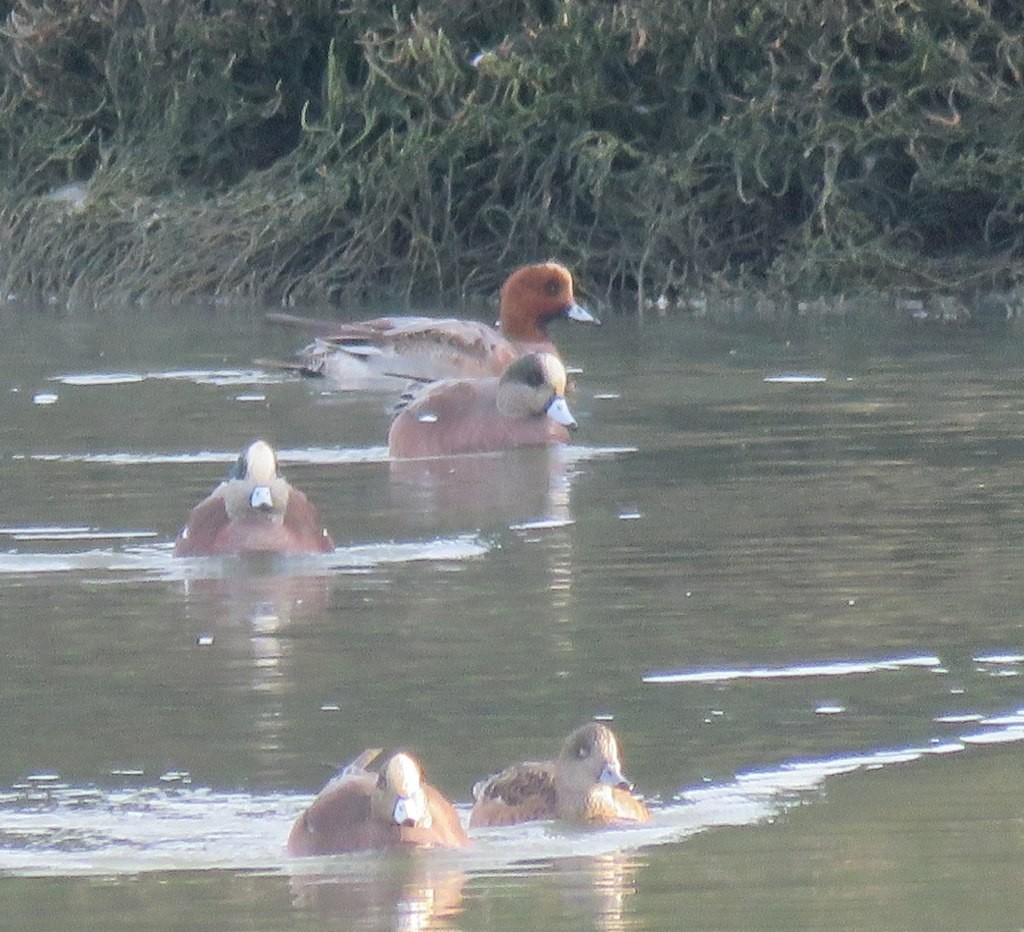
(305, 151)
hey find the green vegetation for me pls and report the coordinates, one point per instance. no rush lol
(333, 150)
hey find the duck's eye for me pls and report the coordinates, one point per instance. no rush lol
(552, 286)
(581, 751)
(382, 781)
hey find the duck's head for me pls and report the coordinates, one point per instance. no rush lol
(398, 797)
(257, 466)
(591, 754)
(535, 295)
(534, 386)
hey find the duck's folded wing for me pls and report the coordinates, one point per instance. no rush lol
(350, 335)
(337, 820)
(303, 521)
(380, 330)
(412, 334)
(360, 764)
(518, 793)
(205, 522)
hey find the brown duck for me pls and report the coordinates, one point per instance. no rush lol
(390, 807)
(583, 784)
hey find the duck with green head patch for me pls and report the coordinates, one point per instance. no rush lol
(526, 407)
(254, 510)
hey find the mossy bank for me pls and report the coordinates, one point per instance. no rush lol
(318, 151)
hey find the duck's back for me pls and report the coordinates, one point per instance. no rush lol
(422, 348)
(520, 793)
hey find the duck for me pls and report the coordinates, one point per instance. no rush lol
(254, 510)
(390, 351)
(583, 785)
(526, 407)
(391, 806)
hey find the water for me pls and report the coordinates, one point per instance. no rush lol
(787, 571)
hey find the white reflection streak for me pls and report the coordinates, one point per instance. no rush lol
(198, 376)
(738, 802)
(830, 668)
(319, 456)
(560, 549)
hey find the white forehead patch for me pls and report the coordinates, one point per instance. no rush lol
(261, 463)
(403, 775)
(554, 372)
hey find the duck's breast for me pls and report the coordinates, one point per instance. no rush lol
(446, 827)
(607, 805)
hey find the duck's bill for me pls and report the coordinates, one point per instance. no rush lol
(410, 811)
(612, 776)
(261, 499)
(559, 412)
(580, 314)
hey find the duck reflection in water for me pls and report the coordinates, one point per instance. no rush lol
(446, 494)
(397, 891)
(598, 888)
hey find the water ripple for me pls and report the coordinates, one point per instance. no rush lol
(829, 668)
(312, 455)
(53, 829)
(319, 456)
(157, 561)
(198, 376)
(56, 532)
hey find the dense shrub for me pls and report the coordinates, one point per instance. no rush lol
(316, 149)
